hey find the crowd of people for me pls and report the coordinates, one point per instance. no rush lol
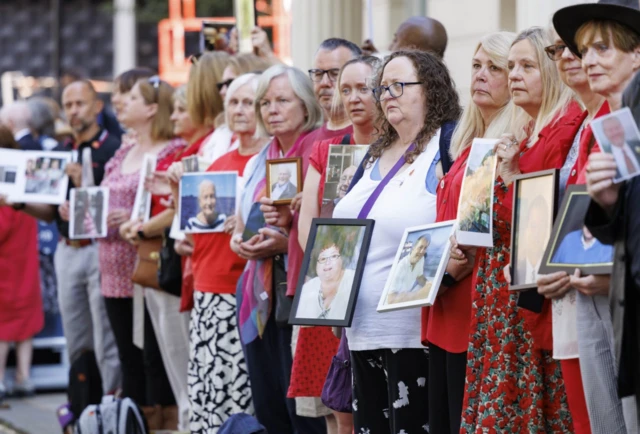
(211, 343)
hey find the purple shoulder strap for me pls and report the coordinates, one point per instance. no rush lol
(366, 209)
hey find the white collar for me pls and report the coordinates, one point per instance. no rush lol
(20, 134)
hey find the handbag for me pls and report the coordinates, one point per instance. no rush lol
(336, 392)
(145, 273)
(282, 301)
(170, 270)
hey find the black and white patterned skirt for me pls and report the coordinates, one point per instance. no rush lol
(218, 378)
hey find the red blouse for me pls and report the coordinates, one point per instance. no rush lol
(579, 172)
(446, 323)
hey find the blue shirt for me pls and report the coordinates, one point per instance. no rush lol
(571, 251)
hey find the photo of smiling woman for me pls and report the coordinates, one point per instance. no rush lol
(206, 199)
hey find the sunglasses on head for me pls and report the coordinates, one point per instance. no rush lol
(155, 82)
(222, 84)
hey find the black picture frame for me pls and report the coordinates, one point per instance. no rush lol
(552, 198)
(571, 216)
(304, 296)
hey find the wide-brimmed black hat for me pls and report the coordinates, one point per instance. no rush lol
(568, 20)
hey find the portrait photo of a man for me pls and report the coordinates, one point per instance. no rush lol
(580, 247)
(342, 164)
(618, 135)
(206, 201)
(285, 185)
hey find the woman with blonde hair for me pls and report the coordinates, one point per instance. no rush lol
(512, 380)
(287, 110)
(445, 325)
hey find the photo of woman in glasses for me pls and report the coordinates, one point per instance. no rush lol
(330, 274)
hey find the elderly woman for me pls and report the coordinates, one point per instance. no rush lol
(146, 112)
(607, 38)
(496, 355)
(287, 110)
(415, 97)
(445, 326)
(216, 394)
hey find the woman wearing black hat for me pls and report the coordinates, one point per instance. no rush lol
(607, 37)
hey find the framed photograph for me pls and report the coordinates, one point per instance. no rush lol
(618, 135)
(342, 163)
(284, 179)
(572, 245)
(34, 176)
(535, 203)
(418, 267)
(206, 200)
(331, 272)
(214, 34)
(88, 207)
(475, 206)
(142, 204)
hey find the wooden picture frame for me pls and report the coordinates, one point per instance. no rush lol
(537, 191)
(341, 246)
(294, 181)
(566, 239)
(405, 288)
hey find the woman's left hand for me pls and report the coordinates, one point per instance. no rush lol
(230, 224)
(158, 184)
(267, 243)
(275, 215)
(591, 285)
(508, 152)
(116, 217)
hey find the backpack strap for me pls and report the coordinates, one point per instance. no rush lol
(346, 139)
(446, 132)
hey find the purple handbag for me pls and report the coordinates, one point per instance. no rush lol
(336, 392)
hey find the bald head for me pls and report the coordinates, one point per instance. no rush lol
(420, 33)
(81, 86)
(15, 116)
(81, 108)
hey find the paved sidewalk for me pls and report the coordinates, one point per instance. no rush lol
(35, 415)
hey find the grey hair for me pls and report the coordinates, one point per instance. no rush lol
(17, 114)
(302, 88)
(251, 79)
(42, 120)
(335, 43)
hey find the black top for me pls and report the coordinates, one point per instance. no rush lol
(103, 146)
(29, 143)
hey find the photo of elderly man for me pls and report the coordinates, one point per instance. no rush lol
(208, 218)
(285, 186)
(624, 149)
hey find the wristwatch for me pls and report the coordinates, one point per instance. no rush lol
(141, 235)
(448, 280)
(19, 206)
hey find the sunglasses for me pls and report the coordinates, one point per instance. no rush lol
(554, 52)
(222, 84)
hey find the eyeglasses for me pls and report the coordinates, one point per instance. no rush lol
(155, 82)
(395, 90)
(317, 74)
(224, 83)
(554, 52)
(326, 259)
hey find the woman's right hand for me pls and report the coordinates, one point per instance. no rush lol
(116, 217)
(267, 243)
(554, 285)
(158, 184)
(601, 169)
(183, 247)
(508, 153)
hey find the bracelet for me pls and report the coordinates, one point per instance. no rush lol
(19, 206)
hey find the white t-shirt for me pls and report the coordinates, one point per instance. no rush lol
(404, 202)
(309, 304)
(406, 275)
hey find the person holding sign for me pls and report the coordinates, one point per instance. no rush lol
(415, 97)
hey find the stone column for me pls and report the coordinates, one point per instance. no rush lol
(316, 20)
(124, 36)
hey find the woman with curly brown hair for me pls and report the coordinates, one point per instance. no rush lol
(415, 98)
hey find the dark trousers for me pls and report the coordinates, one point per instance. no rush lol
(390, 391)
(446, 390)
(144, 378)
(269, 361)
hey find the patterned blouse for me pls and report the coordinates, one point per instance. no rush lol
(117, 257)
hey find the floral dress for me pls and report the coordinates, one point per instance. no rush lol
(513, 383)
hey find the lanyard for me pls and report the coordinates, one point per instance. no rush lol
(376, 193)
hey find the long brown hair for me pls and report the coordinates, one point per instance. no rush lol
(7, 141)
(442, 102)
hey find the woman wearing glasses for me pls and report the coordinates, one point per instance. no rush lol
(501, 389)
(415, 97)
(146, 113)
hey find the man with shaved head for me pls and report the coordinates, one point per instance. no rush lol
(16, 116)
(84, 319)
(416, 33)
(208, 219)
